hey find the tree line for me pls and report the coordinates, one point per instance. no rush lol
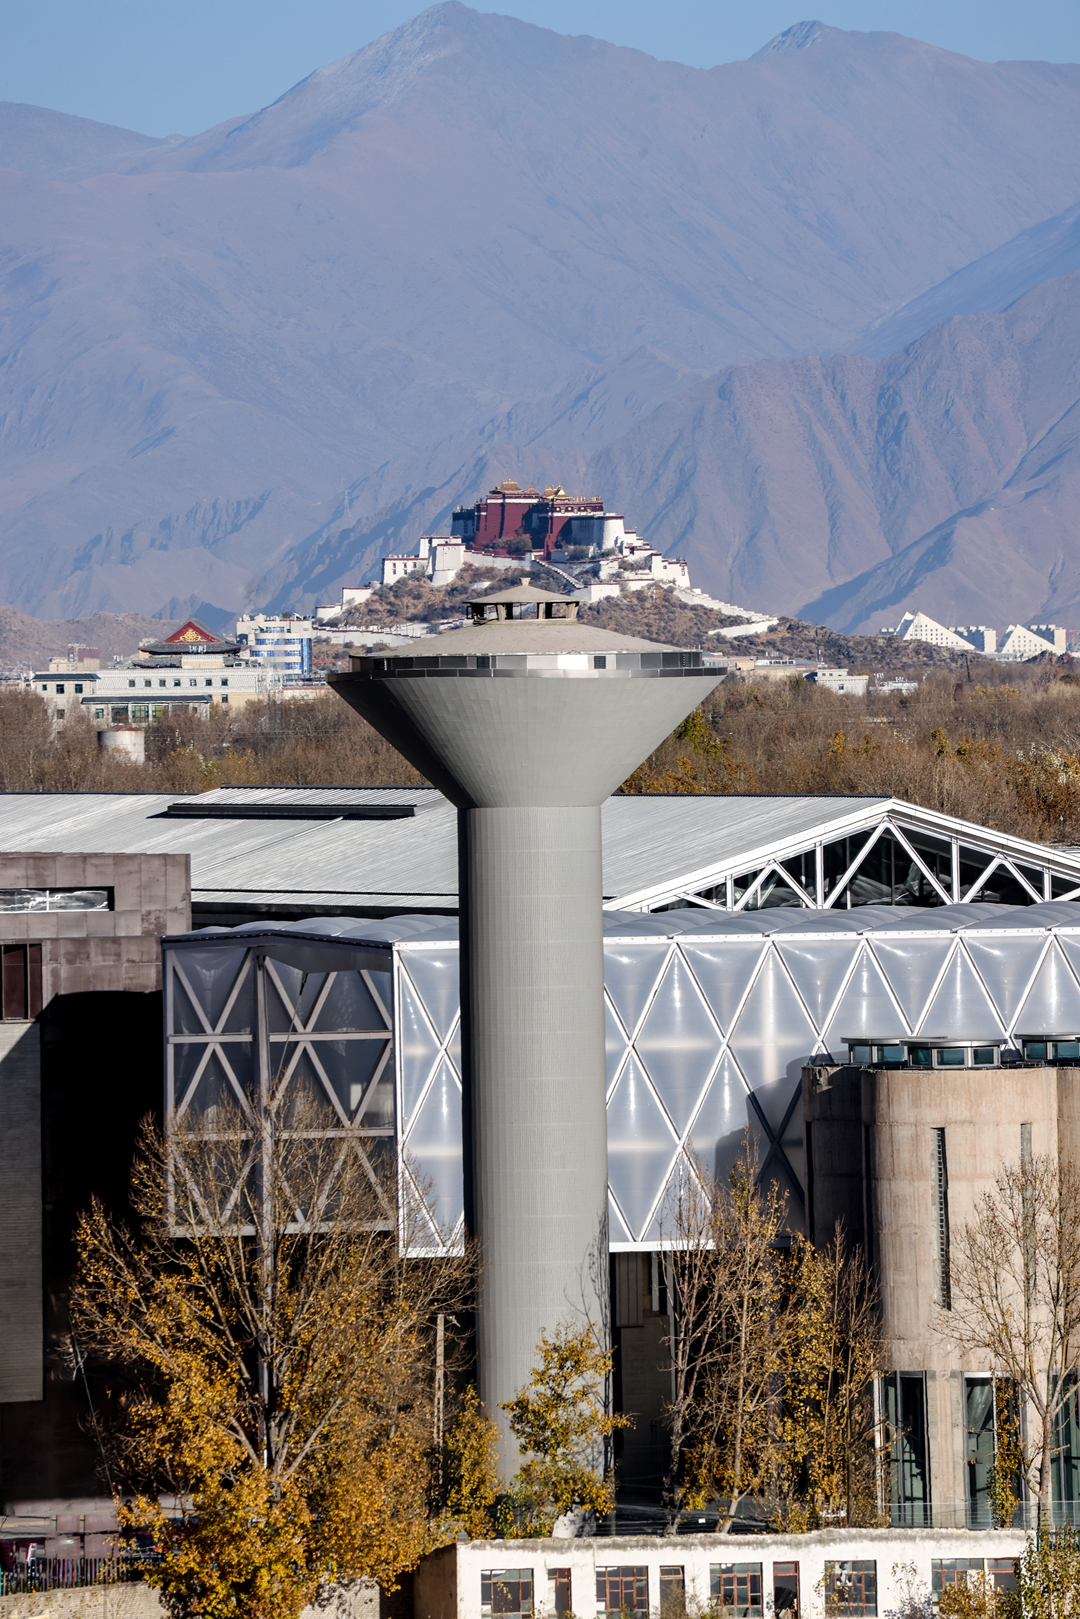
(1005, 755)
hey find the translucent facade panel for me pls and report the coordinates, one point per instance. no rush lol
(912, 965)
(433, 1146)
(716, 1134)
(211, 974)
(723, 971)
(630, 974)
(214, 1088)
(348, 1004)
(783, 1177)
(618, 1229)
(818, 971)
(866, 1007)
(614, 1042)
(772, 1039)
(282, 986)
(640, 1146)
(348, 1067)
(436, 979)
(1005, 967)
(298, 1087)
(1054, 1001)
(453, 1047)
(417, 1047)
(961, 1008)
(377, 1108)
(678, 1043)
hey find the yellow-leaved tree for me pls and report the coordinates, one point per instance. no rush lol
(270, 1351)
(562, 1421)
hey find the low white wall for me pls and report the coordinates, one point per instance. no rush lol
(359, 1600)
(447, 1584)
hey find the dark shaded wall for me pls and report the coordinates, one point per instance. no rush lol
(100, 1072)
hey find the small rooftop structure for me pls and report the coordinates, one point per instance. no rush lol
(191, 639)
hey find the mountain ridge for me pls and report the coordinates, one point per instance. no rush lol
(472, 245)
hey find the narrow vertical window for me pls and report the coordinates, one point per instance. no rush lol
(944, 1263)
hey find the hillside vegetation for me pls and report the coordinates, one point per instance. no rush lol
(1006, 755)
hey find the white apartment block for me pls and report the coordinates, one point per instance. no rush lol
(1019, 641)
(1028, 641)
(978, 637)
(279, 642)
(919, 627)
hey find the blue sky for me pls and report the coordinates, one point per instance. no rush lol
(179, 66)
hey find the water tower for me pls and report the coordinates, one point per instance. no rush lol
(527, 720)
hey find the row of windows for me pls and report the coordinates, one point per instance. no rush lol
(624, 1590)
(735, 1589)
(79, 686)
(119, 713)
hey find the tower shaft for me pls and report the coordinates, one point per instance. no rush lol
(533, 980)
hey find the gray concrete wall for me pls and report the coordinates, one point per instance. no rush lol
(874, 1164)
(539, 1130)
(21, 1327)
(361, 1599)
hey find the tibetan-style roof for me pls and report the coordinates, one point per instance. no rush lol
(191, 637)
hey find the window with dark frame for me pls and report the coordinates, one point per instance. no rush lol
(506, 1591)
(785, 1579)
(20, 982)
(559, 1582)
(736, 1588)
(904, 1403)
(623, 1590)
(851, 1589)
(944, 1260)
(672, 1591)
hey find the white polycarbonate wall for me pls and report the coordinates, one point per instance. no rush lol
(709, 1022)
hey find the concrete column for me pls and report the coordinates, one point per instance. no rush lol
(534, 978)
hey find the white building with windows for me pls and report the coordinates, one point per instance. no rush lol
(279, 643)
(1030, 640)
(920, 627)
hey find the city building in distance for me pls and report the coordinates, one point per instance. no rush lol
(1018, 642)
(278, 642)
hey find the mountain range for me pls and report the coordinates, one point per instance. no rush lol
(810, 320)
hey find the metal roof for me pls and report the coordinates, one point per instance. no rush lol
(653, 846)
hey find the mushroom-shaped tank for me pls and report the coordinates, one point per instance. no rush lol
(527, 719)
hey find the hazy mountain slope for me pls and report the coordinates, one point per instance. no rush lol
(991, 283)
(842, 488)
(50, 144)
(471, 231)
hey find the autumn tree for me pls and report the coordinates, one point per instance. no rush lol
(471, 1469)
(270, 1350)
(833, 1352)
(1015, 1281)
(562, 1421)
(1047, 1578)
(728, 1312)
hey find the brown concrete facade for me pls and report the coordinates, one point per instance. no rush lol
(883, 1146)
(92, 986)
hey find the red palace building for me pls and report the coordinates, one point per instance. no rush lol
(510, 515)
